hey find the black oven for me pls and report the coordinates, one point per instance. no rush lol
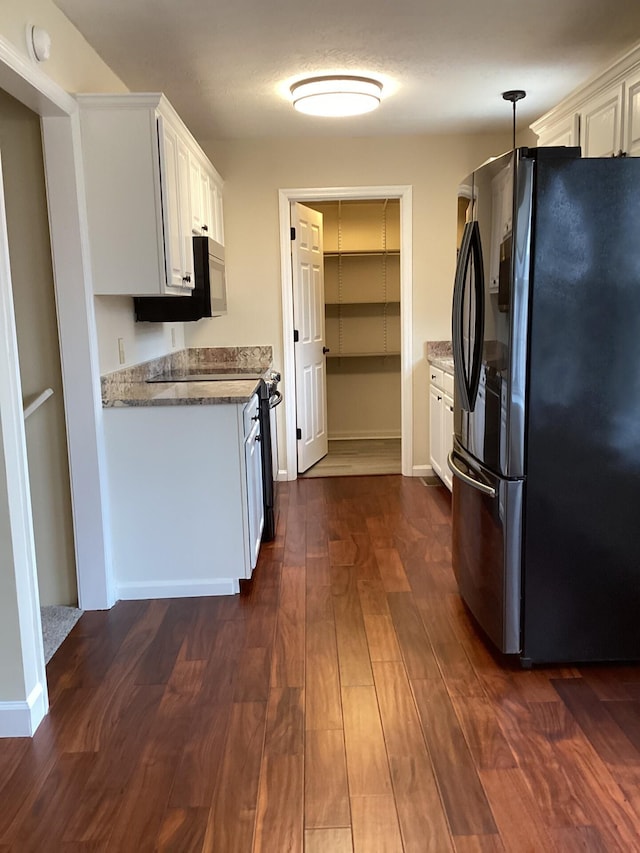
(269, 397)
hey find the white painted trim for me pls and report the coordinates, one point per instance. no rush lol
(362, 435)
(27, 83)
(21, 719)
(136, 590)
(596, 85)
(422, 471)
(79, 359)
(404, 193)
(21, 551)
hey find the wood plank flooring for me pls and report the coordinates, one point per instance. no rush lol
(360, 456)
(342, 702)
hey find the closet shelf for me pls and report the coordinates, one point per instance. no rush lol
(363, 354)
(364, 302)
(361, 253)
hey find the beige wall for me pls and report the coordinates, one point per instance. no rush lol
(35, 310)
(74, 65)
(254, 170)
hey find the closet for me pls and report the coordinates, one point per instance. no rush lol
(362, 331)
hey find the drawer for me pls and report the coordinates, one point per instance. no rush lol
(436, 376)
(448, 384)
(250, 414)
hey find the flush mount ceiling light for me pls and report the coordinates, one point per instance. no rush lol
(337, 95)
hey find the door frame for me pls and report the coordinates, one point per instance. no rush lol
(308, 195)
(60, 127)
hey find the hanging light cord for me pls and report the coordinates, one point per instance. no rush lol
(514, 95)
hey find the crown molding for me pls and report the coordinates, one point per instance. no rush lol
(614, 75)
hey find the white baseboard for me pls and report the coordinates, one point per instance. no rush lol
(422, 471)
(363, 434)
(138, 590)
(21, 719)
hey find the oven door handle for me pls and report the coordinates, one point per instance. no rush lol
(275, 400)
(470, 481)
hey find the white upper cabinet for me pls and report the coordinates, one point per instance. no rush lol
(143, 187)
(603, 116)
(206, 200)
(632, 110)
(601, 124)
(176, 207)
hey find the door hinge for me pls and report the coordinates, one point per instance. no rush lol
(293, 233)
(298, 433)
(296, 336)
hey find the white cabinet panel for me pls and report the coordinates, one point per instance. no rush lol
(255, 502)
(632, 116)
(440, 423)
(601, 124)
(435, 429)
(142, 194)
(447, 439)
(176, 213)
(186, 515)
(565, 132)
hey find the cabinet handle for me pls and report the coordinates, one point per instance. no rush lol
(325, 350)
(258, 438)
(186, 278)
(255, 417)
(439, 398)
(450, 408)
(205, 227)
(433, 376)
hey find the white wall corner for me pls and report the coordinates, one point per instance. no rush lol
(21, 719)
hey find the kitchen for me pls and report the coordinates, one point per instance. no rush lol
(264, 166)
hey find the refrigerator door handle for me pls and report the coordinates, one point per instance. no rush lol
(485, 488)
(470, 250)
(456, 330)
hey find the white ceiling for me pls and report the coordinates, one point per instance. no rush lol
(226, 64)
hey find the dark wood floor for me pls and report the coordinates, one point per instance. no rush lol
(342, 702)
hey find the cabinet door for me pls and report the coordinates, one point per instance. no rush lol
(170, 203)
(184, 208)
(176, 206)
(216, 229)
(197, 198)
(564, 132)
(435, 429)
(205, 195)
(632, 116)
(447, 439)
(255, 501)
(601, 124)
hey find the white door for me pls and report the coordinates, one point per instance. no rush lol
(308, 320)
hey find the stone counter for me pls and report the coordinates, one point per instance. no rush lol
(129, 387)
(440, 354)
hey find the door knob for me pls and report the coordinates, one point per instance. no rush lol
(325, 350)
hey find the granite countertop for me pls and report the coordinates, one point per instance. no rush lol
(440, 354)
(129, 387)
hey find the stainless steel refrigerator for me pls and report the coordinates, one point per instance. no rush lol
(546, 457)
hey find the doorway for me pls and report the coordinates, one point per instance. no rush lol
(369, 334)
(362, 332)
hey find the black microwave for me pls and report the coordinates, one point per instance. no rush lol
(207, 299)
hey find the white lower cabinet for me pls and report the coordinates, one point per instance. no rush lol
(185, 498)
(440, 422)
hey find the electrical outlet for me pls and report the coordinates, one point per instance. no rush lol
(121, 355)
